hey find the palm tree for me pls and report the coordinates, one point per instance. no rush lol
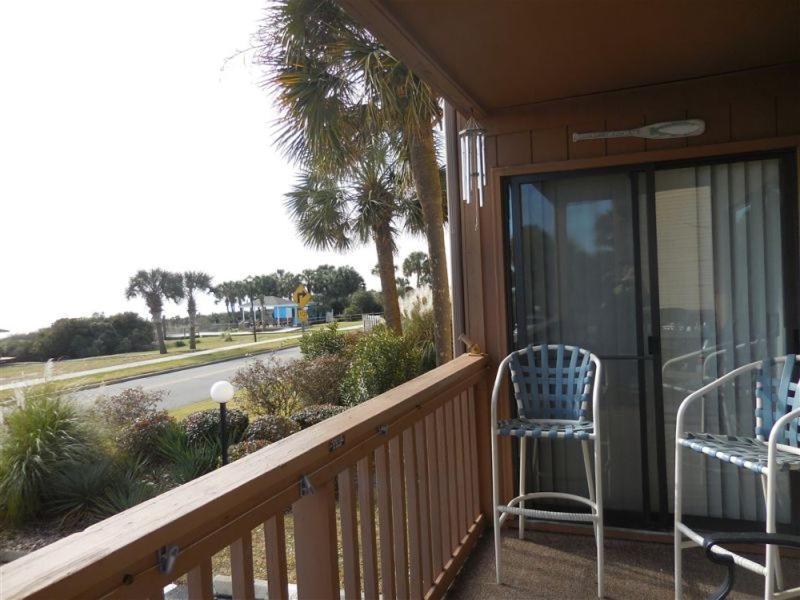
(266, 285)
(193, 282)
(226, 291)
(336, 86)
(251, 291)
(155, 286)
(364, 204)
(417, 264)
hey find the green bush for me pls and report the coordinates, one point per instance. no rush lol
(323, 341)
(244, 448)
(188, 459)
(319, 380)
(418, 328)
(312, 415)
(381, 360)
(265, 388)
(81, 493)
(203, 427)
(78, 338)
(364, 302)
(122, 409)
(271, 428)
(180, 344)
(41, 434)
(141, 438)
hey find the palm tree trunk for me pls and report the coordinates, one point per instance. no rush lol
(429, 190)
(162, 347)
(192, 320)
(391, 306)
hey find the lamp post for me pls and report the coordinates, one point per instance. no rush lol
(222, 392)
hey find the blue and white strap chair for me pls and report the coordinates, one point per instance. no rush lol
(773, 449)
(557, 391)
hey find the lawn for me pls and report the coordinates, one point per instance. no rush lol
(30, 370)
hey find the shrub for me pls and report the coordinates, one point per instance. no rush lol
(418, 328)
(319, 380)
(186, 459)
(141, 438)
(381, 361)
(271, 428)
(180, 344)
(265, 387)
(312, 415)
(364, 301)
(203, 427)
(81, 493)
(244, 448)
(227, 337)
(41, 434)
(324, 341)
(78, 338)
(120, 410)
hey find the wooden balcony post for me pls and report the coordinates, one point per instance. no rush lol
(315, 544)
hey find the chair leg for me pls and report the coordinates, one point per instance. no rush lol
(778, 571)
(523, 445)
(678, 536)
(598, 494)
(495, 505)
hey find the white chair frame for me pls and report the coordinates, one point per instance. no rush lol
(517, 505)
(768, 483)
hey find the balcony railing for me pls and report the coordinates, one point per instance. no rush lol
(390, 488)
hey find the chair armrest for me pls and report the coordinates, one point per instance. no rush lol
(747, 537)
(707, 388)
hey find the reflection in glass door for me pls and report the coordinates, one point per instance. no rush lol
(574, 271)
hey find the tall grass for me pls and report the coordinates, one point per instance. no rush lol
(41, 434)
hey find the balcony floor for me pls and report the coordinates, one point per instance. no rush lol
(550, 565)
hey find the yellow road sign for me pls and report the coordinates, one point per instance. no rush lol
(302, 296)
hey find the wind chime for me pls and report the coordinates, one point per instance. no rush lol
(473, 162)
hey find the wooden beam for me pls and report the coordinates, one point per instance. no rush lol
(374, 15)
(316, 545)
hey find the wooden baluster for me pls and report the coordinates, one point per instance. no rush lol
(452, 466)
(461, 490)
(424, 506)
(383, 486)
(469, 515)
(316, 544)
(444, 487)
(473, 452)
(242, 568)
(398, 517)
(368, 543)
(275, 551)
(433, 492)
(349, 518)
(412, 503)
(200, 582)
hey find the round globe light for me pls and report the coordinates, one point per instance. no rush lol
(222, 392)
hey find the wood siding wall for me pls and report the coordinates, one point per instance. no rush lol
(743, 111)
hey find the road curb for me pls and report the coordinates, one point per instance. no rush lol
(90, 386)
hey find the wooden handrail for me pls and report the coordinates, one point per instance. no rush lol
(118, 555)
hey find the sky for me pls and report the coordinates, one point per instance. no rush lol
(133, 136)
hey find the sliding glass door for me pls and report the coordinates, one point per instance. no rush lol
(723, 304)
(673, 275)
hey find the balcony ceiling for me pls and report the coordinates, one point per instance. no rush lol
(490, 55)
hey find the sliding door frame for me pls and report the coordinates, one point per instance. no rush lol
(649, 350)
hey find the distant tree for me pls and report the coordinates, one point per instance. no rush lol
(227, 291)
(155, 286)
(364, 302)
(287, 283)
(332, 286)
(417, 264)
(194, 282)
(250, 290)
(266, 285)
(403, 286)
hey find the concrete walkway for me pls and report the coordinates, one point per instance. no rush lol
(152, 361)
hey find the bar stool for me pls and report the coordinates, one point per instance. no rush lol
(552, 386)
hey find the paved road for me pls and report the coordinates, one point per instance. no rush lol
(187, 386)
